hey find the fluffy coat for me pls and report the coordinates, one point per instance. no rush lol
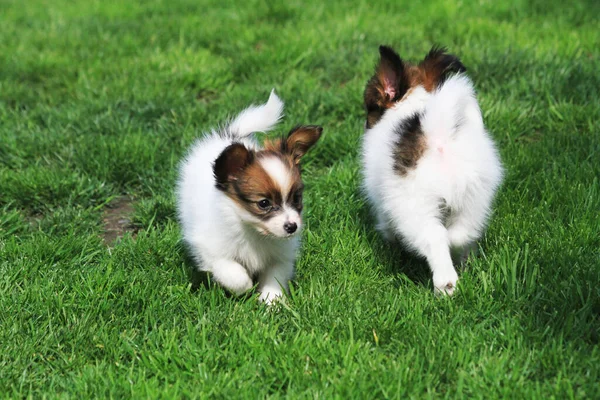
(240, 205)
(430, 169)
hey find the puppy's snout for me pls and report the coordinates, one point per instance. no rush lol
(290, 227)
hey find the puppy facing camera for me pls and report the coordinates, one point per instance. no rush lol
(240, 204)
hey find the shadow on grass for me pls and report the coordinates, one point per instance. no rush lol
(395, 258)
(198, 279)
(568, 307)
(570, 311)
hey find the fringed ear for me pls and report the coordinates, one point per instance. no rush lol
(386, 86)
(438, 66)
(300, 139)
(230, 163)
(390, 74)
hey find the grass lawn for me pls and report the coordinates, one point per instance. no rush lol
(99, 100)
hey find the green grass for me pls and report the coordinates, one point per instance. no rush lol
(100, 100)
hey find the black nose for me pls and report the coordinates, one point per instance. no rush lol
(290, 227)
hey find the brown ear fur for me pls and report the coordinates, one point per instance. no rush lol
(300, 139)
(386, 86)
(437, 66)
(230, 163)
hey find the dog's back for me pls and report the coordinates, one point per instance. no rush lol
(430, 168)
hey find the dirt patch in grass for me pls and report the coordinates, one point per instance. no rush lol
(117, 220)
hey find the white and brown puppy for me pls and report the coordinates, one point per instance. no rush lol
(430, 168)
(240, 205)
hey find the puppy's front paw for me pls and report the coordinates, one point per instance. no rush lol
(445, 283)
(239, 284)
(269, 296)
(232, 276)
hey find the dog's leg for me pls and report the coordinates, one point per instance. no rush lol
(231, 275)
(434, 246)
(465, 228)
(383, 227)
(421, 227)
(274, 281)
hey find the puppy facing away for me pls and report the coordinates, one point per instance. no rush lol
(240, 205)
(430, 169)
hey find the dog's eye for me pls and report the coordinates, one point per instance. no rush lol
(264, 204)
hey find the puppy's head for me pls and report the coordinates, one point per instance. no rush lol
(266, 185)
(394, 78)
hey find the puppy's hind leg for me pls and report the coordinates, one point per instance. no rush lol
(421, 227)
(464, 229)
(383, 226)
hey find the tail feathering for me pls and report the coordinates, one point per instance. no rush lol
(451, 105)
(260, 118)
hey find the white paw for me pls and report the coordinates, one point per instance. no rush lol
(269, 296)
(444, 283)
(239, 284)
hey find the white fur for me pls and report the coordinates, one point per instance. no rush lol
(225, 239)
(280, 174)
(258, 118)
(459, 171)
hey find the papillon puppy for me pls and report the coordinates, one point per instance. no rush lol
(430, 169)
(240, 204)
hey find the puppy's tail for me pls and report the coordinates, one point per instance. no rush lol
(257, 118)
(451, 107)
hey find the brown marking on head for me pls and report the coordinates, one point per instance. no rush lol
(294, 196)
(230, 163)
(410, 146)
(290, 151)
(262, 182)
(255, 185)
(395, 79)
(242, 179)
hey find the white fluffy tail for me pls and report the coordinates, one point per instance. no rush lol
(452, 105)
(257, 118)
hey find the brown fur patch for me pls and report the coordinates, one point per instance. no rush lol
(294, 197)
(437, 66)
(240, 175)
(411, 145)
(230, 163)
(386, 86)
(252, 183)
(296, 187)
(394, 79)
(299, 140)
(274, 146)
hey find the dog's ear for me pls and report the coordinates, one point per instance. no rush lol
(438, 66)
(390, 74)
(300, 139)
(230, 163)
(386, 86)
